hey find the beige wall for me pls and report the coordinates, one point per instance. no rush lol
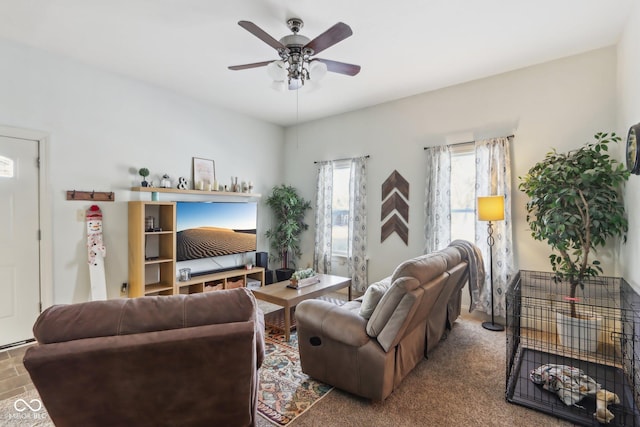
(629, 114)
(559, 104)
(102, 126)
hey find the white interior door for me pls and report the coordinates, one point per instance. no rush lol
(19, 239)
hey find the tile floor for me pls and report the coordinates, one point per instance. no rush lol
(14, 378)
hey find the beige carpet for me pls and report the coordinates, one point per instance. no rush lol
(461, 384)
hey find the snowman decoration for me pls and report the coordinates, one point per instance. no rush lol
(97, 252)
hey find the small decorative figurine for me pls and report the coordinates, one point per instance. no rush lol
(144, 173)
(96, 252)
(166, 181)
(182, 183)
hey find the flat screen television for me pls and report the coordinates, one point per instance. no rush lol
(212, 229)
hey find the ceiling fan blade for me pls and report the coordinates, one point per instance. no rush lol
(254, 65)
(333, 35)
(340, 67)
(261, 34)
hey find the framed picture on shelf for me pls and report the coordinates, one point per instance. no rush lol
(204, 172)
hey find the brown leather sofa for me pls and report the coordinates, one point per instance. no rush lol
(183, 360)
(370, 357)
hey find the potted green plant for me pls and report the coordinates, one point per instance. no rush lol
(289, 209)
(306, 277)
(144, 173)
(575, 206)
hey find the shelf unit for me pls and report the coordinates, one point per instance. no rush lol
(152, 255)
(221, 280)
(152, 252)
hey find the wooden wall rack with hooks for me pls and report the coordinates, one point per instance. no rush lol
(94, 196)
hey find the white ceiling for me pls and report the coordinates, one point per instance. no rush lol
(405, 47)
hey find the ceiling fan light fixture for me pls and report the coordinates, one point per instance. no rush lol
(295, 84)
(317, 70)
(277, 71)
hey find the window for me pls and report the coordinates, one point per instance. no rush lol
(340, 209)
(463, 182)
(6, 167)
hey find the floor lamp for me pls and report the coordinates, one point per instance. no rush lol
(491, 208)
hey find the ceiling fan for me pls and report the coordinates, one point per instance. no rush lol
(296, 64)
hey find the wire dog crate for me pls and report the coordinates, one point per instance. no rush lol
(606, 351)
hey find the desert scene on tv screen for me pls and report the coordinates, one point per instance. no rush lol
(212, 229)
(204, 242)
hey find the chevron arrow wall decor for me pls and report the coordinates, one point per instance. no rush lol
(395, 182)
(395, 225)
(395, 197)
(397, 203)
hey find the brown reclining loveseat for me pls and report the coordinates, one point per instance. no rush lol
(409, 313)
(183, 360)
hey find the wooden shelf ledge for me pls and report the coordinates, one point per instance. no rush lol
(199, 192)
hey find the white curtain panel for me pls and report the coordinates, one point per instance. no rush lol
(324, 197)
(437, 205)
(493, 177)
(357, 245)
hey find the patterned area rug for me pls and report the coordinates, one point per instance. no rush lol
(284, 391)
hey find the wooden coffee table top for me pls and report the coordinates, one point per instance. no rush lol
(280, 294)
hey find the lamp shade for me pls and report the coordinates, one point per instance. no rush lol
(491, 208)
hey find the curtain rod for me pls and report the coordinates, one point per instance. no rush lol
(469, 142)
(337, 160)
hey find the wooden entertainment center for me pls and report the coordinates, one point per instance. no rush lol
(152, 251)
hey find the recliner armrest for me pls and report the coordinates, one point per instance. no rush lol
(331, 321)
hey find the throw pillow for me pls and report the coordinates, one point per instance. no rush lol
(372, 297)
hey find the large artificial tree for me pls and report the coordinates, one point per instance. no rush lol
(289, 209)
(575, 206)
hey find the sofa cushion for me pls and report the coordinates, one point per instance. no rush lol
(406, 278)
(424, 268)
(406, 308)
(373, 295)
(388, 304)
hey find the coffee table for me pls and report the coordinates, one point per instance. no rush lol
(280, 294)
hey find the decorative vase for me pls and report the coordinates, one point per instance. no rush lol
(579, 333)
